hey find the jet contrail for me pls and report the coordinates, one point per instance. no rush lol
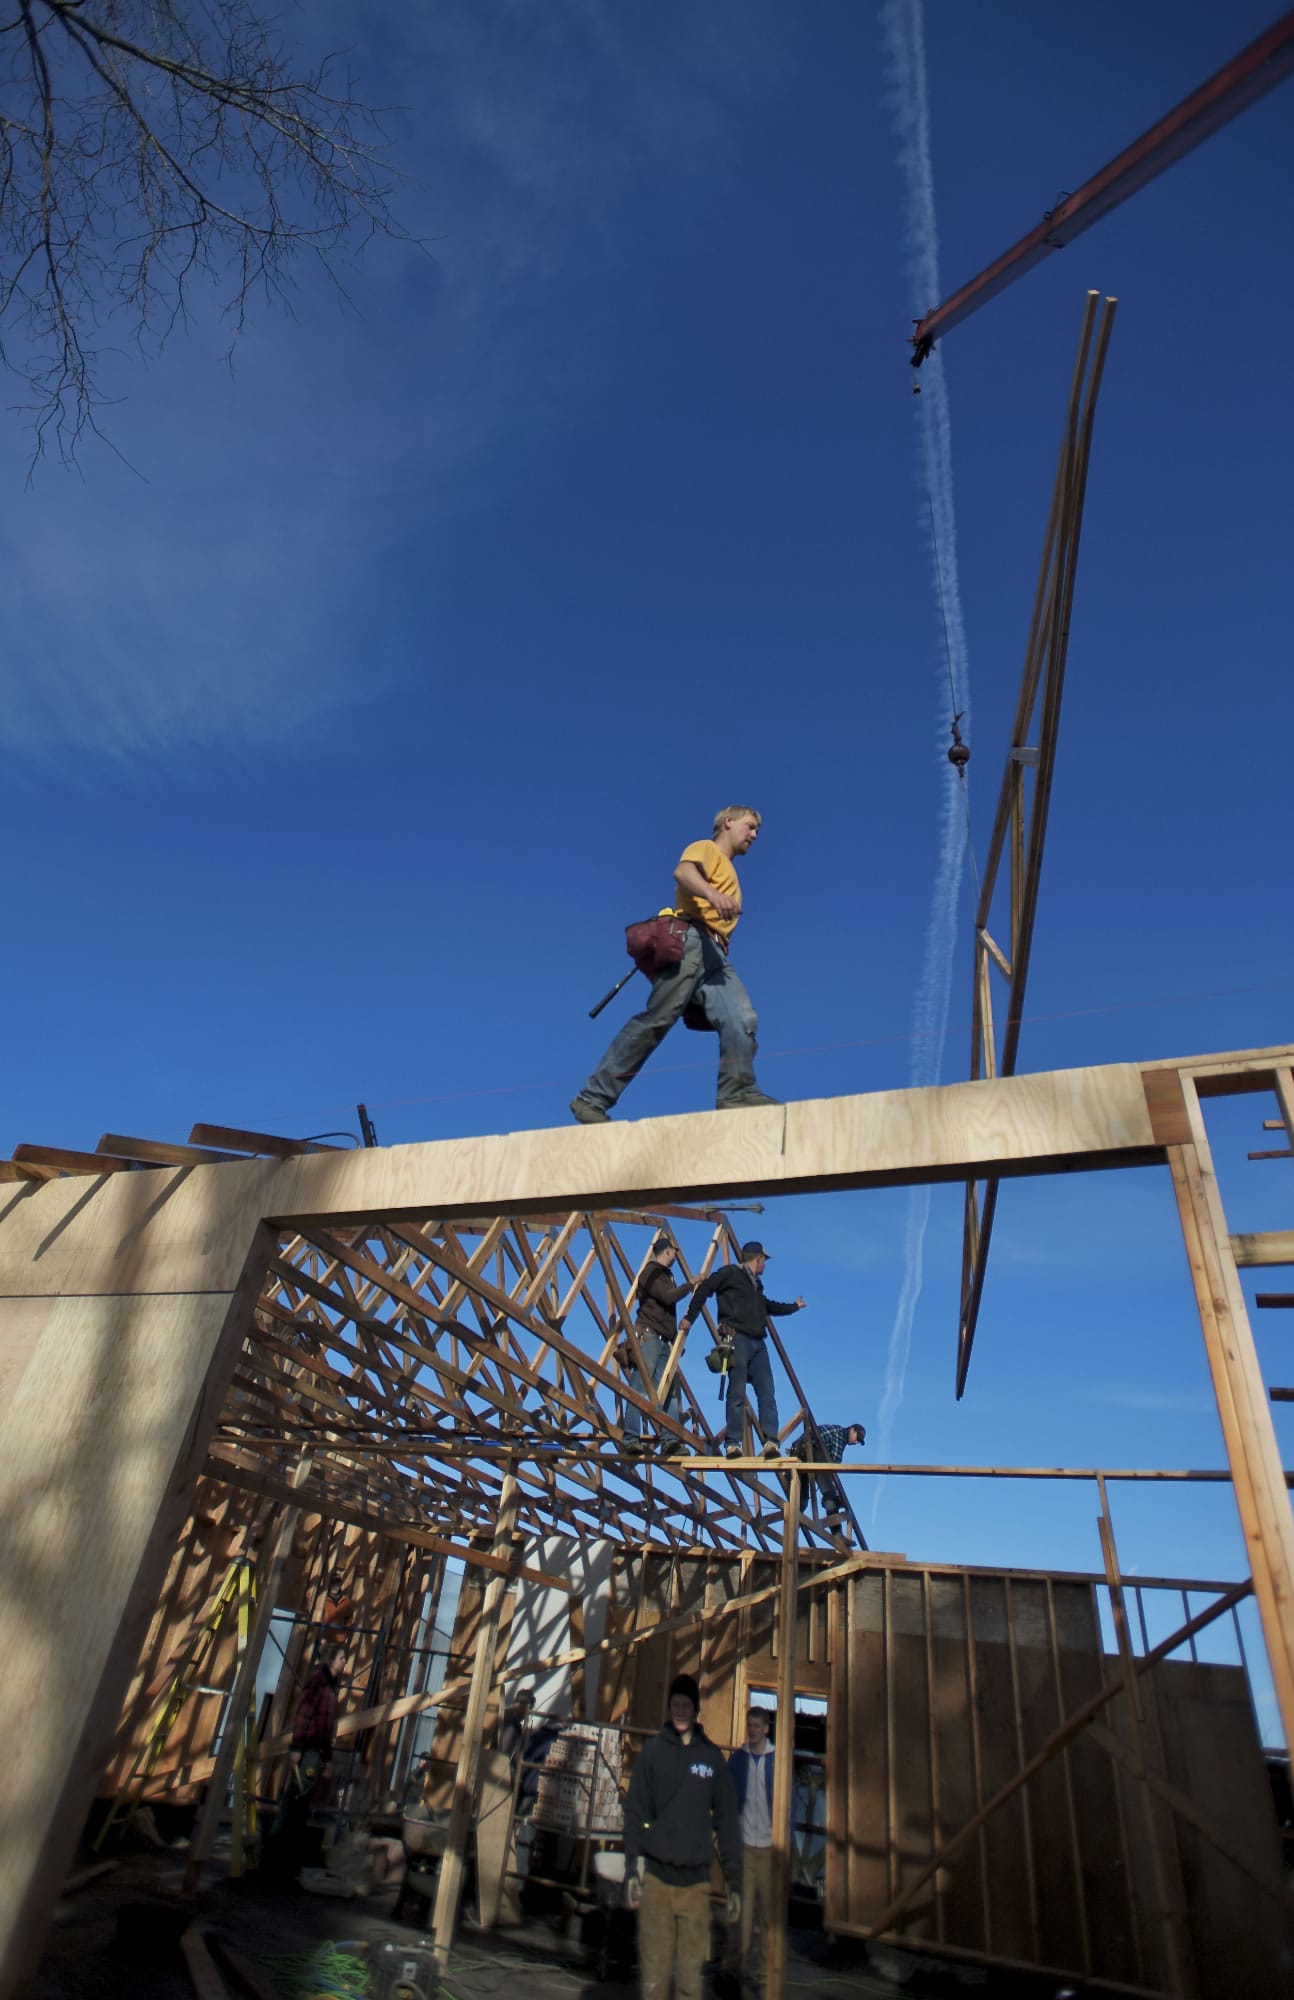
(903, 26)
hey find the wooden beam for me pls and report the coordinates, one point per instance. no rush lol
(230, 1139)
(1257, 1473)
(207, 1983)
(1162, 1852)
(380, 1524)
(182, 1231)
(159, 1152)
(230, 1756)
(1271, 1247)
(779, 1890)
(66, 1161)
(450, 1883)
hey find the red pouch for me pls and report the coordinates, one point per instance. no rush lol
(656, 942)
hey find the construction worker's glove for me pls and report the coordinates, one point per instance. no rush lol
(734, 1908)
(634, 1885)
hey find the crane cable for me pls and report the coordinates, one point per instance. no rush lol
(959, 762)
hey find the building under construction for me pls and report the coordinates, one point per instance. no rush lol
(355, 1374)
(257, 1392)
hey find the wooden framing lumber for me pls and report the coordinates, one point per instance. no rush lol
(127, 1338)
(466, 1786)
(1069, 1729)
(1020, 824)
(1257, 1472)
(779, 1890)
(177, 1230)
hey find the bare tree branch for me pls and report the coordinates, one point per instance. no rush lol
(147, 146)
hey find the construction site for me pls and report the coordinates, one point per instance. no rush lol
(266, 1399)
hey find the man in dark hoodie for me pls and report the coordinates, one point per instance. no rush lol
(681, 1800)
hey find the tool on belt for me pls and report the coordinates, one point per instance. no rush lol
(720, 1355)
(653, 944)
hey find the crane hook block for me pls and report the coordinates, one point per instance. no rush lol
(959, 755)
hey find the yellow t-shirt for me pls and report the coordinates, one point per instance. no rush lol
(716, 866)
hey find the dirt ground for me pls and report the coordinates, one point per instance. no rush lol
(118, 1936)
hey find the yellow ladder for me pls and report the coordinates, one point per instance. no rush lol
(237, 1593)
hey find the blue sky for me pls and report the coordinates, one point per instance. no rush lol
(348, 724)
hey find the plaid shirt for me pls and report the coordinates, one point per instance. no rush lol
(832, 1438)
(317, 1714)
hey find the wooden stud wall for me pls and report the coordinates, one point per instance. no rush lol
(944, 1686)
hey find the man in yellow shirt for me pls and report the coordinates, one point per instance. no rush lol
(709, 896)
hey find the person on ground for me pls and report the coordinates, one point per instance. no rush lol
(309, 1765)
(709, 898)
(828, 1441)
(658, 1298)
(514, 1723)
(680, 1802)
(752, 1780)
(743, 1309)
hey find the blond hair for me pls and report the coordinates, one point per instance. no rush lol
(734, 812)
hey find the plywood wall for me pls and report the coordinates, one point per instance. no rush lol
(944, 1685)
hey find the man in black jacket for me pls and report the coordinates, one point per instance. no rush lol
(658, 1297)
(681, 1799)
(743, 1308)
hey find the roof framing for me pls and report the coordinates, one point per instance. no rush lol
(127, 1298)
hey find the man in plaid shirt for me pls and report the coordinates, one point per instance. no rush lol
(829, 1441)
(309, 1768)
(316, 1717)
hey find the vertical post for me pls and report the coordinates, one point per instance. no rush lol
(1171, 1916)
(779, 1889)
(449, 1885)
(1258, 1477)
(233, 1737)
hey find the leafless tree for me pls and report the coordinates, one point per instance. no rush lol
(148, 146)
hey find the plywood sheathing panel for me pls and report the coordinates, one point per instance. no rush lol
(1205, 1725)
(187, 1228)
(942, 1690)
(100, 1446)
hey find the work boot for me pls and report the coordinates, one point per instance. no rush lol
(733, 1451)
(672, 1447)
(747, 1101)
(633, 1447)
(585, 1112)
(772, 1449)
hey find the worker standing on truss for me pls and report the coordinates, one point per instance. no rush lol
(828, 1441)
(702, 985)
(743, 1311)
(658, 1298)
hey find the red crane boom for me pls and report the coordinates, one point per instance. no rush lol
(1238, 84)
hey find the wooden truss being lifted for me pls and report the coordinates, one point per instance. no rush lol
(1020, 824)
